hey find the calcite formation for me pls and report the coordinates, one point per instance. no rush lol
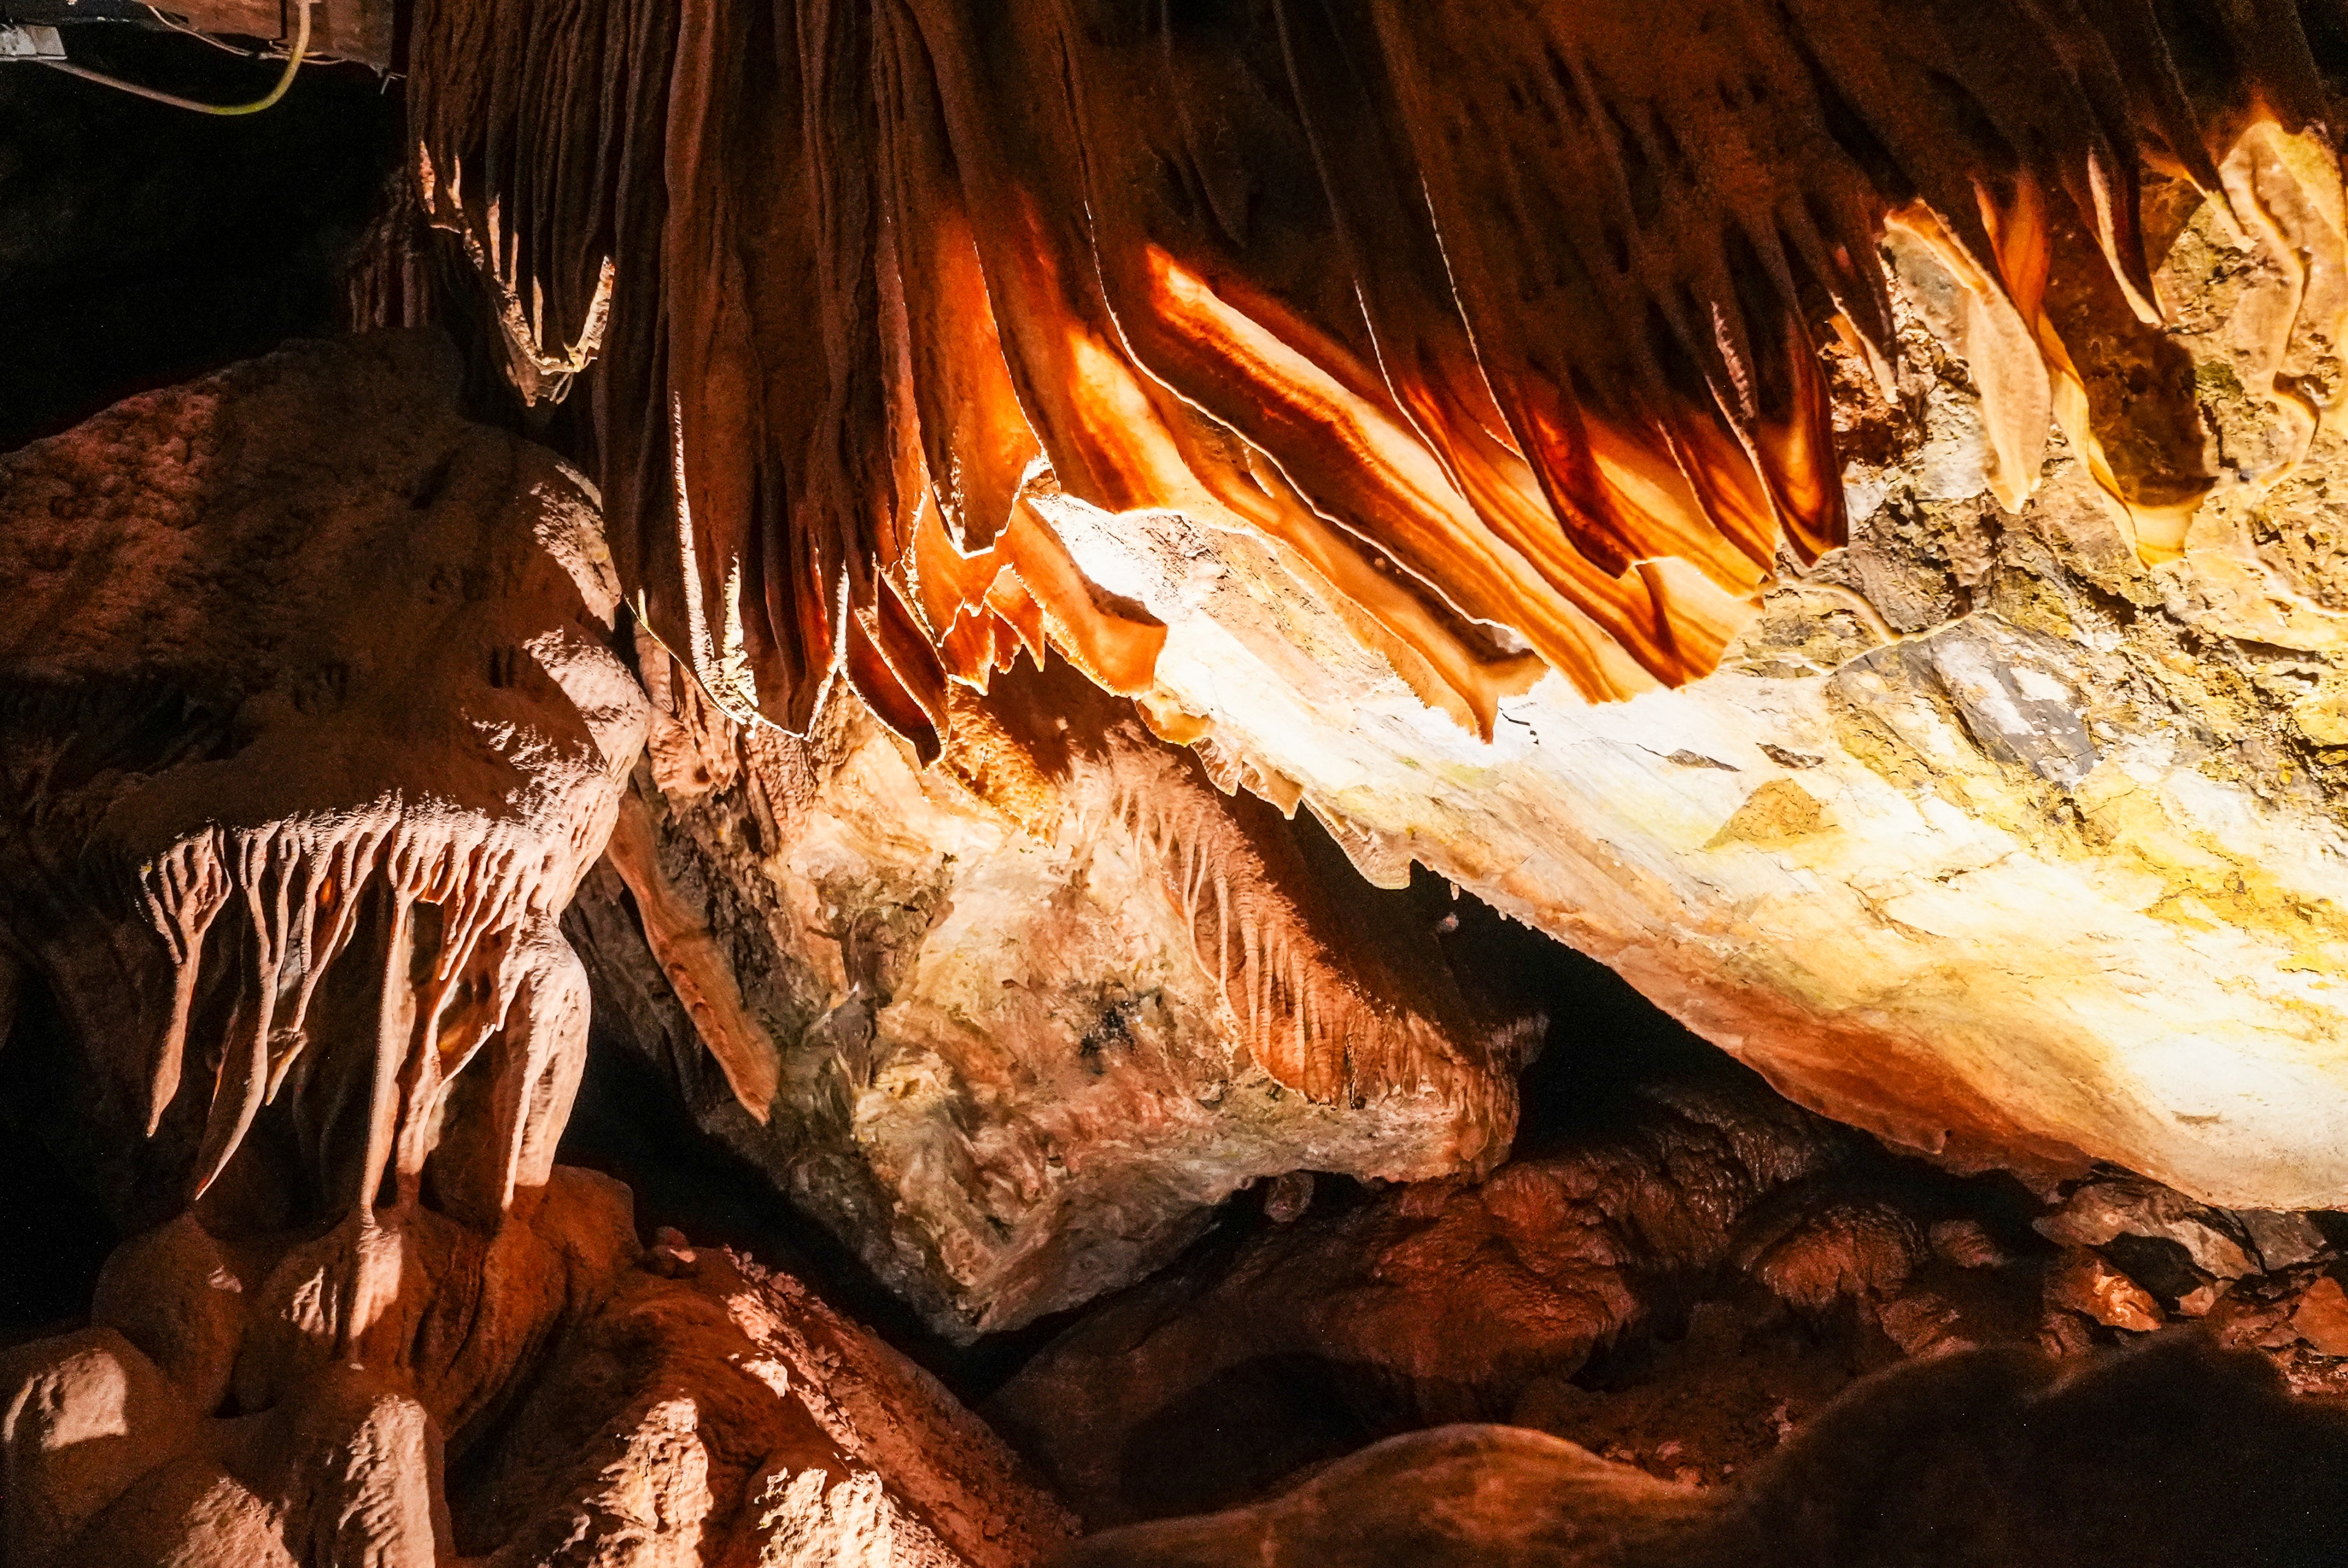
(2001, 831)
(309, 740)
(1501, 329)
(311, 726)
(1012, 1025)
(1820, 504)
(1917, 417)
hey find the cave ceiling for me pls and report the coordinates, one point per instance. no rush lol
(1007, 640)
(1504, 328)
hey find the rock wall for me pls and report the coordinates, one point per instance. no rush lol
(2006, 832)
(309, 726)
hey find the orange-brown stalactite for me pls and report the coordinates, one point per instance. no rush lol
(1500, 322)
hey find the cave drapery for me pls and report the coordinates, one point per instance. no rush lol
(1503, 325)
(1820, 505)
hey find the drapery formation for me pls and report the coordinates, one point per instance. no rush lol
(1503, 321)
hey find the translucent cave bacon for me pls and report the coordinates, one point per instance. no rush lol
(1502, 322)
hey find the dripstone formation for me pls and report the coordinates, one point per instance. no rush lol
(1024, 633)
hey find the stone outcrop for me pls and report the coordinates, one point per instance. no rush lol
(1437, 1302)
(2169, 1455)
(2001, 831)
(1011, 1025)
(310, 727)
(1679, 1287)
(311, 730)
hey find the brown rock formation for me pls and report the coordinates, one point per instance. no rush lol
(1443, 1301)
(1822, 505)
(1747, 363)
(1681, 1286)
(311, 727)
(2167, 1455)
(311, 730)
(1011, 1025)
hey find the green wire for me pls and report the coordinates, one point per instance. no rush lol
(293, 64)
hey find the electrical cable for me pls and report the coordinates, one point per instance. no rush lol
(164, 20)
(293, 64)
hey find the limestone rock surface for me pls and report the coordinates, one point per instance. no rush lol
(1011, 1025)
(1442, 1301)
(2011, 831)
(310, 723)
(1669, 540)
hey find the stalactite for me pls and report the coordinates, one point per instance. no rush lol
(1489, 320)
(1269, 936)
(298, 887)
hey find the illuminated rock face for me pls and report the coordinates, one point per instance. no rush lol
(1502, 329)
(309, 726)
(1992, 835)
(311, 730)
(1663, 537)
(1011, 1025)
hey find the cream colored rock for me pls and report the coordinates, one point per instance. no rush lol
(1011, 1025)
(2013, 836)
(711, 1413)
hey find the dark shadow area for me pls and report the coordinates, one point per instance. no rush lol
(55, 1233)
(142, 245)
(1603, 1038)
(1240, 1433)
